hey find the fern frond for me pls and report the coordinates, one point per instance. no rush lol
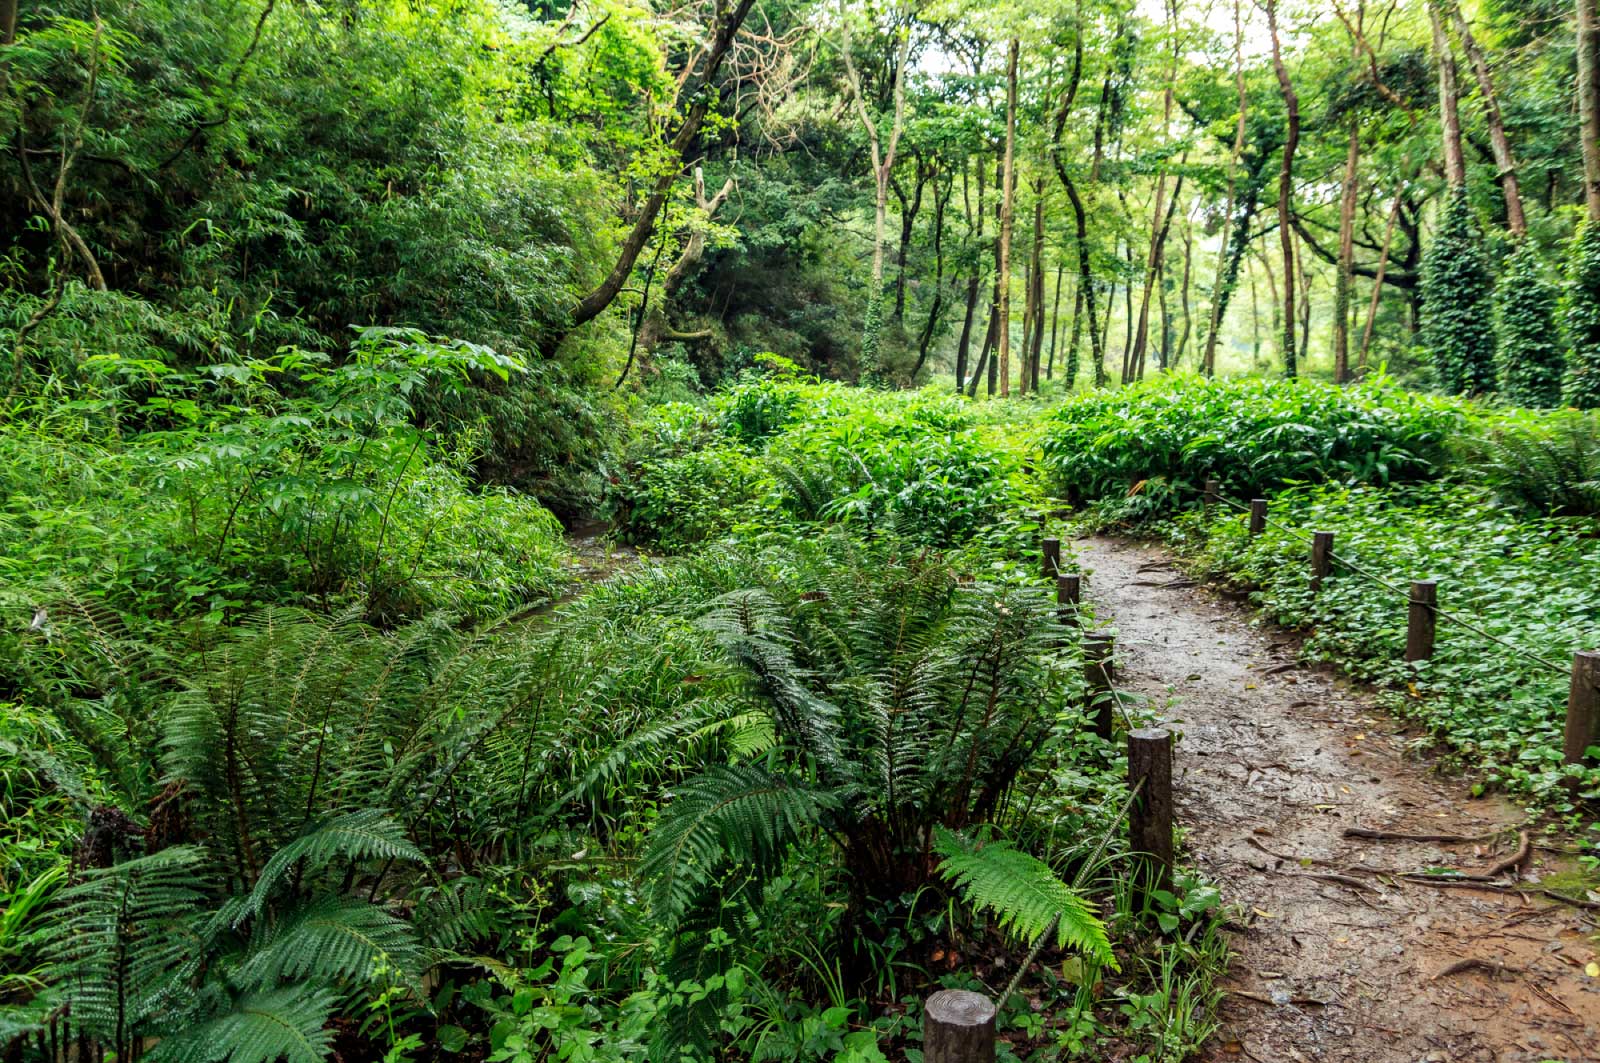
(365, 835)
(332, 938)
(740, 814)
(289, 1024)
(1023, 892)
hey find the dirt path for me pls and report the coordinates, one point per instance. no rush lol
(1278, 759)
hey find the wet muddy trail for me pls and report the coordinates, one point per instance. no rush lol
(1333, 959)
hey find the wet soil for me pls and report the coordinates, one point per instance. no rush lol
(1275, 761)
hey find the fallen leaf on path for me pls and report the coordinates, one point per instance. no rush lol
(1592, 970)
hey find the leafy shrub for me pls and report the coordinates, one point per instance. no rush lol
(1582, 313)
(1145, 449)
(677, 501)
(1546, 464)
(1457, 328)
(1532, 359)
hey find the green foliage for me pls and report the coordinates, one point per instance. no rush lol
(1024, 892)
(1547, 465)
(1143, 450)
(1532, 359)
(1582, 314)
(1457, 328)
(1527, 580)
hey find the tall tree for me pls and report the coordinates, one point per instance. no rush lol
(696, 84)
(1291, 141)
(883, 151)
(1008, 210)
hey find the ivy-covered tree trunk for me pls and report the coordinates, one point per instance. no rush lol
(1583, 318)
(1531, 358)
(1456, 310)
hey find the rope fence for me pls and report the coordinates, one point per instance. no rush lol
(1582, 728)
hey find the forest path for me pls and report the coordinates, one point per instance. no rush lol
(1274, 761)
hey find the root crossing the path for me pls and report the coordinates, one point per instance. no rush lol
(1336, 956)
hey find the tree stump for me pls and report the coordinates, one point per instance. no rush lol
(958, 1027)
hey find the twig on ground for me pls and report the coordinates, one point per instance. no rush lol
(1399, 836)
(1472, 963)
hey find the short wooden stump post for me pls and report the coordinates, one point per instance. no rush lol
(1069, 596)
(1213, 494)
(1321, 559)
(1422, 620)
(1583, 709)
(958, 1027)
(1150, 817)
(1099, 672)
(1050, 552)
(1258, 516)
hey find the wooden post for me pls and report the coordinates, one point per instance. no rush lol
(1422, 620)
(1258, 516)
(1213, 493)
(1069, 596)
(958, 1027)
(1099, 672)
(1051, 551)
(1321, 558)
(1150, 817)
(1583, 709)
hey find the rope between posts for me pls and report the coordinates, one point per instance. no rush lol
(1454, 618)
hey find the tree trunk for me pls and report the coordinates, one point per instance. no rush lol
(908, 224)
(974, 282)
(883, 157)
(984, 354)
(1377, 282)
(1347, 257)
(940, 200)
(1183, 297)
(1155, 268)
(1055, 319)
(1075, 333)
(1589, 102)
(1008, 207)
(1036, 346)
(1505, 162)
(1291, 141)
(1455, 163)
(1221, 290)
(8, 22)
(596, 301)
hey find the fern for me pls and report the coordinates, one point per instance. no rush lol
(289, 1024)
(126, 946)
(329, 939)
(741, 815)
(1023, 891)
(366, 835)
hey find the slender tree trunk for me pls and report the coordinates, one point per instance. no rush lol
(1160, 214)
(1027, 325)
(1188, 270)
(1291, 141)
(985, 359)
(1208, 363)
(940, 200)
(1036, 266)
(883, 157)
(1505, 162)
(975, 281)
(1377, 282)
(1255, 323)
(1455, 163)
(1055, 319)
(1008, 197)
(908, 227)
(1155, 268)
(1347, 258)
(1589, 103)
(8, 22)
(1075, 333)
